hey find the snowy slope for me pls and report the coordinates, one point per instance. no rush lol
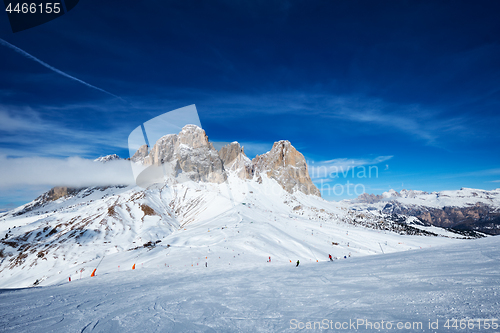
(239, 222)
(412, 288)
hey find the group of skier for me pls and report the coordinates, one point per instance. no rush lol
(329, 257)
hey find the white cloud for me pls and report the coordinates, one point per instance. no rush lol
(71, 172)
(25, 132)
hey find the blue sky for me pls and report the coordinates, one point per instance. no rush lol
(410, 87)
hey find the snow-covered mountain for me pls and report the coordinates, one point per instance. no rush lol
(465, 209)
(107, 158)
(213, 208)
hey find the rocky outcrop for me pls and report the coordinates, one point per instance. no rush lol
(59, 192)
(140, 154)
(234, 159)
(186, 156)
(287, 166)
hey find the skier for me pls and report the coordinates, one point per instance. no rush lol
(330, 256)
(298, 262)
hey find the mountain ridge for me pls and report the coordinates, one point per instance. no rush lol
(190, 155)
(466, 209)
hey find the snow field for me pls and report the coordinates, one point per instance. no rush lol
(454, 281)
(233, 224)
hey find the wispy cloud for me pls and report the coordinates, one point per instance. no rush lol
(25, 120)
(409, 119)
(44, 64)
(72, 172)
(478, 173)
(24, 132)
(419, 121)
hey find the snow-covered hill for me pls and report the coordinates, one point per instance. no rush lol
(238, 222)
(403, 291)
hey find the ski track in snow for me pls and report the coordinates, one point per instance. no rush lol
(453, 281)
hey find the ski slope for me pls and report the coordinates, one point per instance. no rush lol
(458, 281)
(238, 223)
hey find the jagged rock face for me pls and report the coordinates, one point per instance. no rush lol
(234, 159)
(194, 137)
(287, 166)
(190, 154)
(187, 154)
(163, 151)
(140, 154)
(59, 192)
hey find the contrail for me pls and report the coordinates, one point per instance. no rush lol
(29, 56)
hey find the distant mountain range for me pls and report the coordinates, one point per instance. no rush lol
(466, 209)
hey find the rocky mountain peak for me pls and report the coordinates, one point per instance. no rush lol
(234, 159)
(190, 155)
(287, 166)
(230, 152)
(140, 154)
(194, 137)
(186, 156)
